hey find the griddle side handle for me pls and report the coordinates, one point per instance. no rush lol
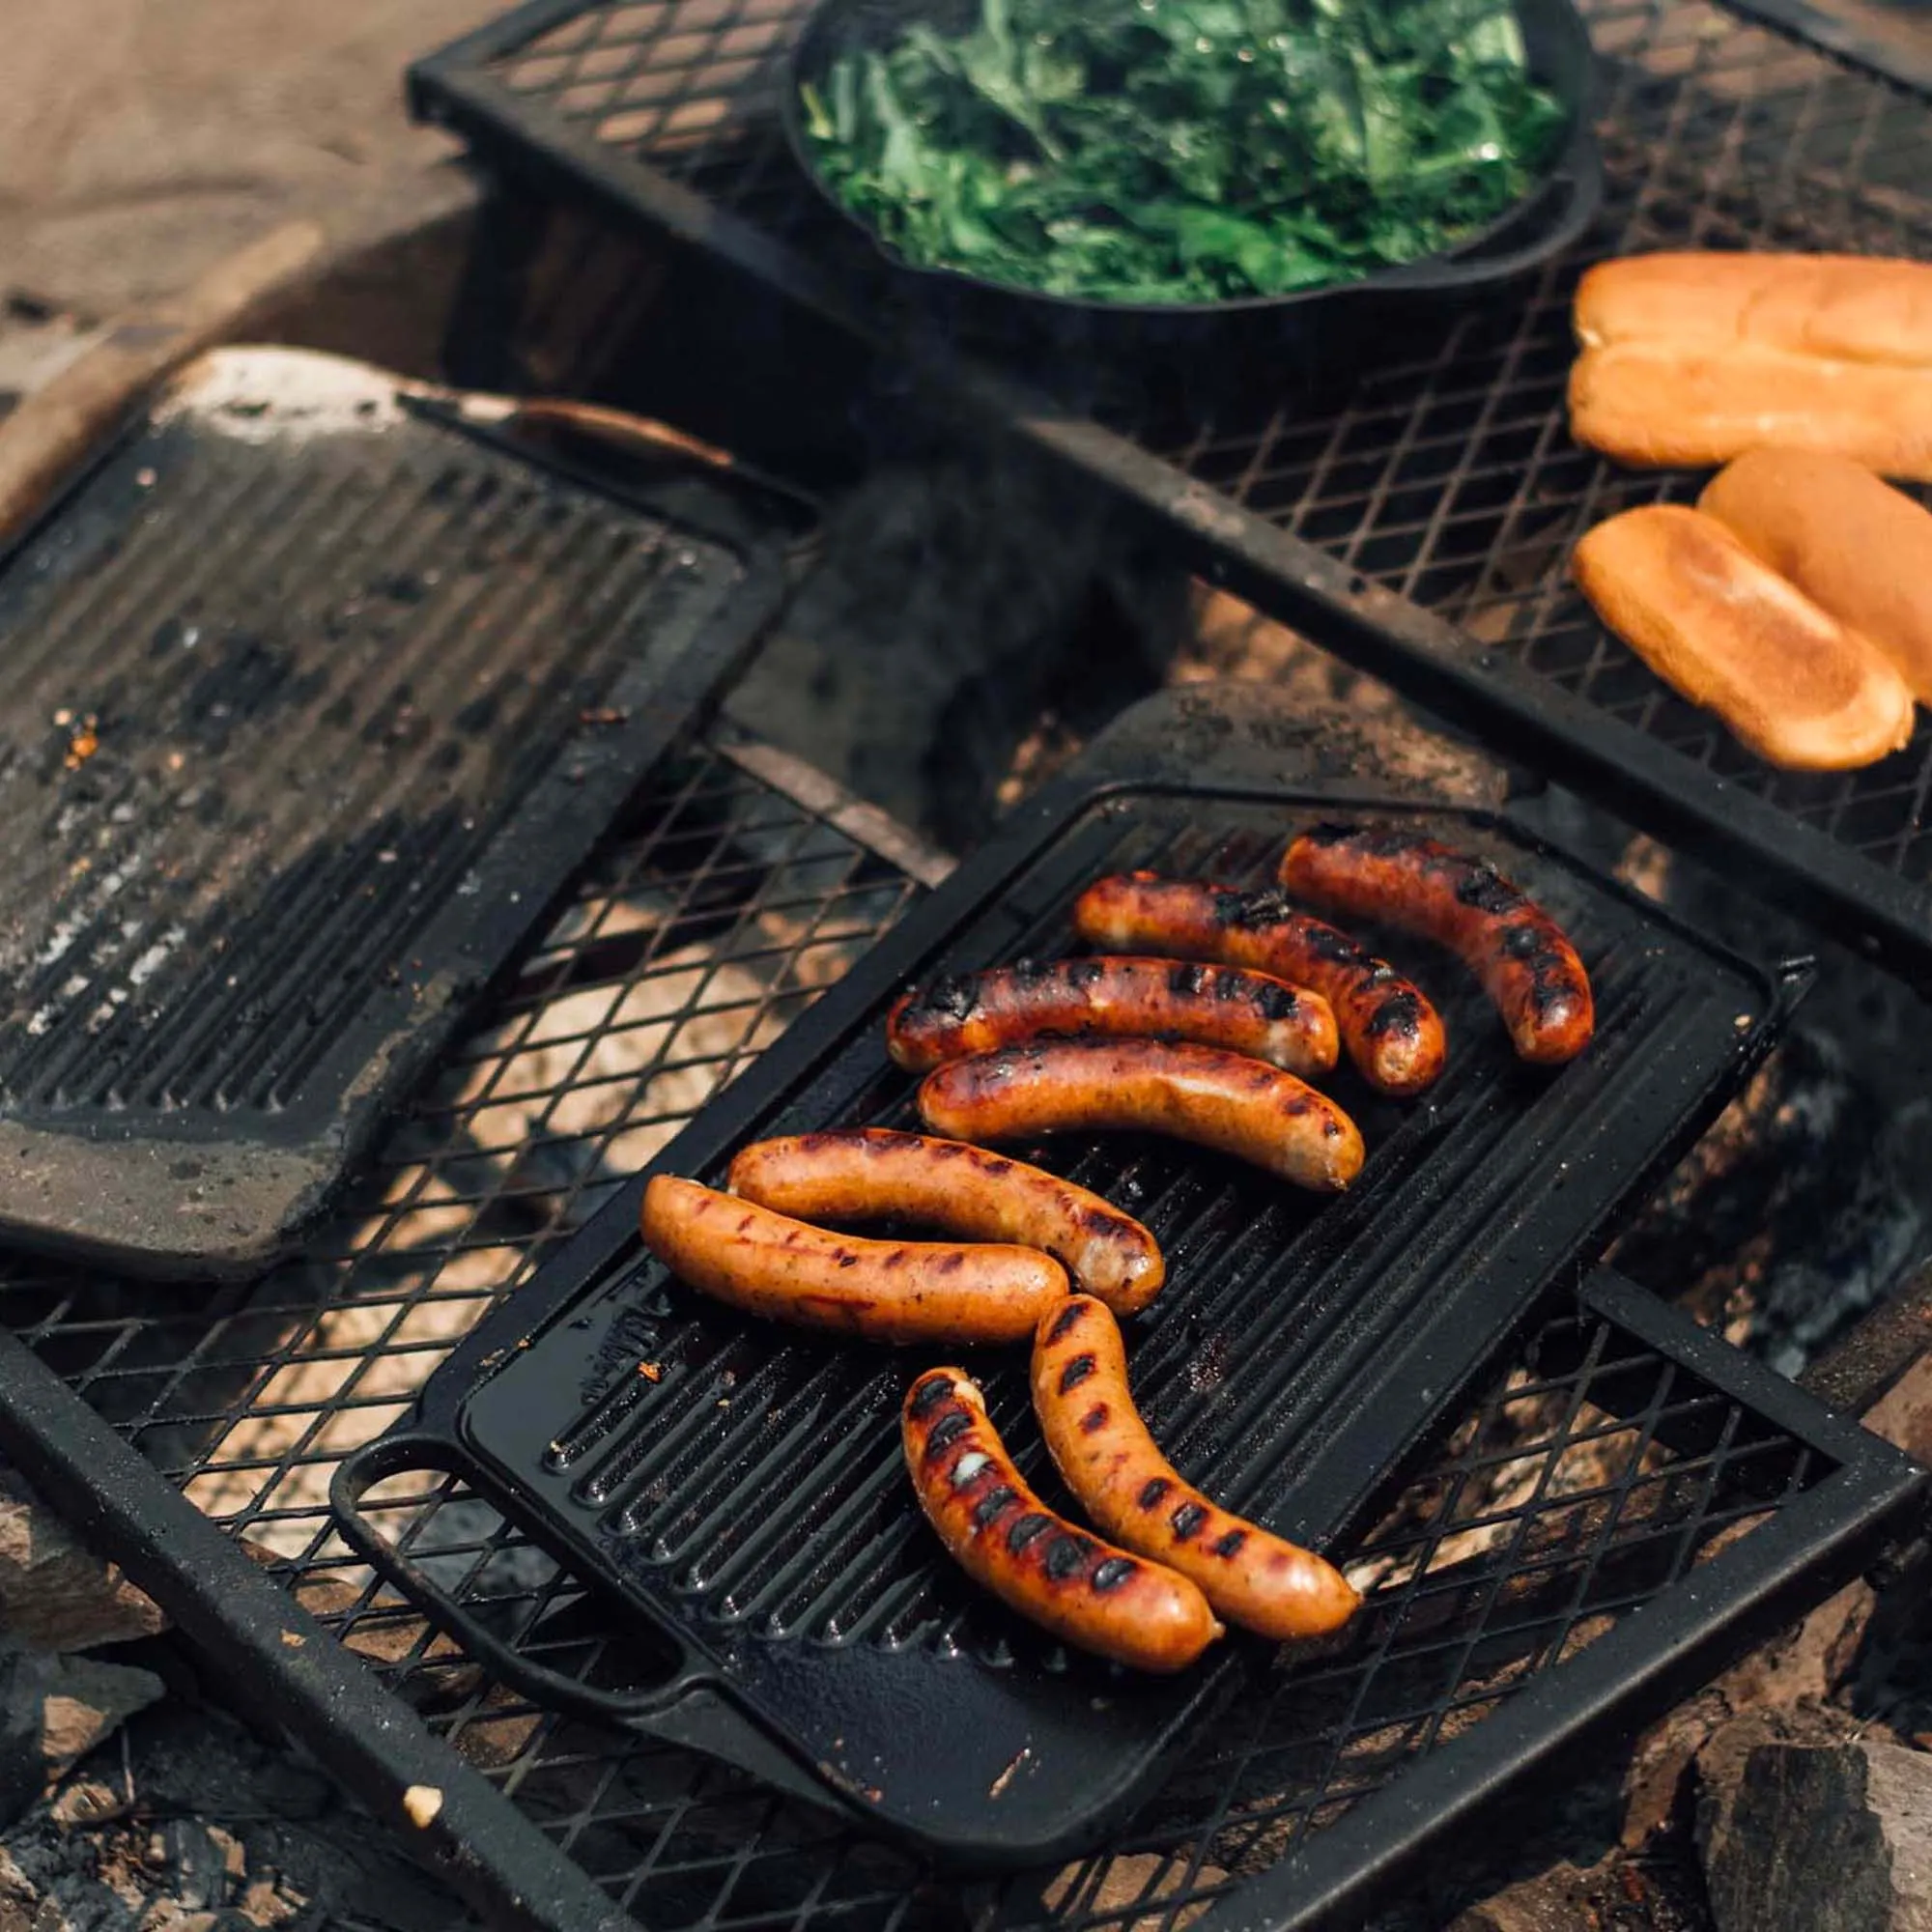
(408, 1450)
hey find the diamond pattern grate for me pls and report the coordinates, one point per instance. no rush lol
(1448, 475)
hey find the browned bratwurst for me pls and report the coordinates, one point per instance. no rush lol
(1222, 1101)
(1392, 1033)
(1216, 1006)
(1092, 1595)
(1103, 1451)
(862, 1174)
(1520, 953)
(891, 1291)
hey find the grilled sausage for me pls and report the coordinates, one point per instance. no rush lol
(1092, 1595)
(1103, 1451)
(1216, 1006)
(1519, 953)
(862, 1174)
(1392, 1034)
(1223, 1100)
(891, 1291)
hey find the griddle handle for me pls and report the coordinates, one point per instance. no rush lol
(398, 1454)
(621, 429)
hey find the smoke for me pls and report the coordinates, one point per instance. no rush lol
(968, 612)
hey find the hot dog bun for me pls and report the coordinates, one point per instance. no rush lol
(1699, 400)
(1797, 686)
(1849, 308)
(1854, 545)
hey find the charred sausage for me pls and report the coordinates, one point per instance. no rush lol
(1215, 1006)
(1392, 1033)
(1520, 953)
(1223, 1100)
(1085, 1591)
(862, 1173)
(889, 1291)
(1105, 1453)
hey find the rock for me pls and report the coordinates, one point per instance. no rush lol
(79, 1702)
(1553, 1901)
(1720, 1759)
(1903, 1414)
(54, 1594)
(167, 1916)
(1822, 1839)
(19, 1899)
(1776, 1684)
(1132, 1890)
(54, 1710)
(85, 1804)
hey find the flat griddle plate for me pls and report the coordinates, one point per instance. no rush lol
(740, 1484)
(309, 705)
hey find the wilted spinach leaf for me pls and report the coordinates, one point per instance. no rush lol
(1157, 151)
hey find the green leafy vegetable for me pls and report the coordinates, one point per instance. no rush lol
(1168, 151)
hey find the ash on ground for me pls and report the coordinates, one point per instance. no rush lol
(187, 1822)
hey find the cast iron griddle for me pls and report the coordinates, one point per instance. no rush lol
(309, 703)
(740, 1484)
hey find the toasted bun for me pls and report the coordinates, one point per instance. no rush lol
(1855, 545)
(1848, 308)
(1659, 402)
(1792, 682)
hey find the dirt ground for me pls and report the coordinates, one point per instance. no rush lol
(139, 144)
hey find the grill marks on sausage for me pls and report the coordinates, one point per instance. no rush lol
(967, 1191)
(1483, 889)
(893, 1293)
(1116, 997)
(1088, 1592)
(1113, 1466)
(947, 1432)
(1522, 957)
(1067, 1321)
(1399, 1016)
(955, 997)
(1028, 1529)
(993, 1505)
(928, 1397)
(1391, 1032)
(1199, 1094)
(1066, 1556)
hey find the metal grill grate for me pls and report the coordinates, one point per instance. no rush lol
(1448, 476)
(1594, 1474)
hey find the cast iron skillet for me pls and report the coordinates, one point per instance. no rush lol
(1548, 217)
